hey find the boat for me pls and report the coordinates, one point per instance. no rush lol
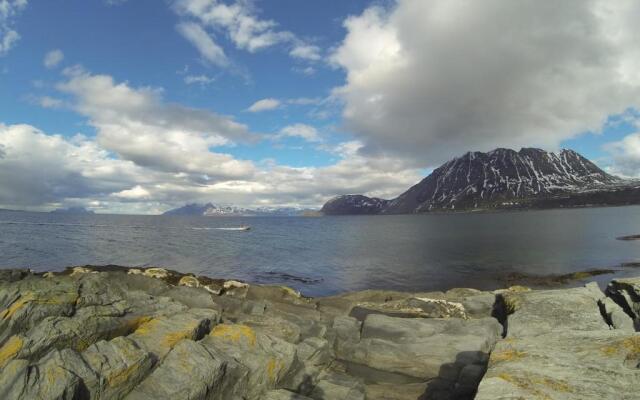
(236, 228)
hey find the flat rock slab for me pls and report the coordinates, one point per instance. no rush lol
(400, 350)
(559, 345)
(539, 312)
(189, 371)
(564, 365)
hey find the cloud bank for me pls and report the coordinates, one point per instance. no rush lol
(428, 80)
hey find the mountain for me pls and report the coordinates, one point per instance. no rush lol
(72, 210)
(355, 204)
(211, 210)
(501, 179)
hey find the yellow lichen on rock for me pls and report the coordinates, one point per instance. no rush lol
(190, 281)
(174, 337)
(534, 384)
(512, 302)
(120, 376)
(159, 273)
(58, 298)
(146, 326)
(630, 345)
(81, 270)
(10, 349)
(273, 367)
(17, 305)
(505, 355)
(235, 333)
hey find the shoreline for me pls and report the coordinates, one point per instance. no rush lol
(226, 339)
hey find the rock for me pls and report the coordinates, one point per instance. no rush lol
(190, 281)
(268, 358)
(228, 285)
(415, 307)
(283, 395)
(158, 273)
(158, 335)
(189, 371)
(338, 386)
(27, 302)
(564, 365)
(385, 391)
(20, 381)
(560, 346)
(313, 355)
(626, 293)
(162, 334)
(542, 311)
(615, 315)
(120, 364)
(421, 348)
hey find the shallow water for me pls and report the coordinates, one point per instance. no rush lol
(333, 254)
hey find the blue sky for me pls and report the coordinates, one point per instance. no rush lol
(137, 42)
(139, 106)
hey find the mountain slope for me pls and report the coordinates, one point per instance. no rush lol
(354, 204)
(501, 178)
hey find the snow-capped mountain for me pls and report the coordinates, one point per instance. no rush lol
(212, 210)
(501, 178)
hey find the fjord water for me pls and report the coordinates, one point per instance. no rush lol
(327, 255)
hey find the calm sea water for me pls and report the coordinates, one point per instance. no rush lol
(328, 255)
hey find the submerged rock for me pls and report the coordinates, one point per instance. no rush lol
(113, 333)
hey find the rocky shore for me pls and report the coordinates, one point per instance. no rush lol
(118, 333)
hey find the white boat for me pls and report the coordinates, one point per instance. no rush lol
(237, 228)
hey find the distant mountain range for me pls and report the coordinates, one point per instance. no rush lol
(501, 179)
(72, 210)
(212, 210)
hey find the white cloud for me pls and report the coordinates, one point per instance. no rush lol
(308, 71)
(37, 169)
(429, 80)
(243, 27)
(306, 132)
(198, 80)
(208, 49)
(624, 154)
(136, 124)
(49, 102)
(9, 9)
(264, 105)
(306, 52)
(41, 171)
(53, 58)
(135, 193)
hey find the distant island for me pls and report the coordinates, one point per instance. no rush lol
(212, 210)
(502, 179)
(72, 210)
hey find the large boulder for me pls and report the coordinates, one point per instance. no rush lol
(189, 371)
(562, 344)
(268, 358)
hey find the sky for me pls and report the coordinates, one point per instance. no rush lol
(139, 106)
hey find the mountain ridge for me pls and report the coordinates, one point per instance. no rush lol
(500, 179)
